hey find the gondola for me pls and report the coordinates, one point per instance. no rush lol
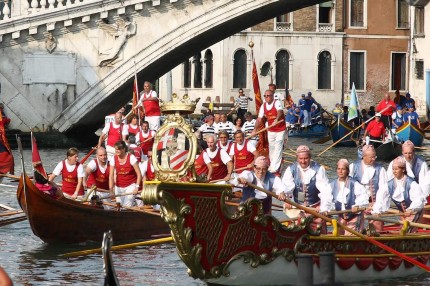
(318, 129)
(339, 129)
(388, 150)
(61, 220)
(410, 131)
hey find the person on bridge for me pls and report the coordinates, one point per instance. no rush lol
(220, 161)
(145, 138)
(243, 153)
(72, 173)
(124, 175)
(113, 132)
(97, 172)
(259, 176)
(306, 182)
(272, 110)
(151, 106)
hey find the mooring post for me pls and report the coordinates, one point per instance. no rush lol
(327, 263)
(305, 267)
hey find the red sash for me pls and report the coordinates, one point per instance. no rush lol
(100, 179)
(114, 134)
(125, 174)
(271, 115)
(70, 180)
(219, 168)
(243, 157)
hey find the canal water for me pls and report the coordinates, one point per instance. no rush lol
(29, 261)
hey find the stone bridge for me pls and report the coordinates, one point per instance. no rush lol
(67, 63)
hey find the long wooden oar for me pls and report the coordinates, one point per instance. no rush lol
(367, 238)
(399, 222)
(88, 155)
(264, 129)
(352, 131)
(133, 209)
(117, 247)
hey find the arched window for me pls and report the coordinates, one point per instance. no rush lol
(197, 71)
(324, 70)
(282, 69)
(208, 69)
(187, 73)
(239, 69)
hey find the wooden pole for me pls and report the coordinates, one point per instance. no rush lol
(264, 129)
(327, 219)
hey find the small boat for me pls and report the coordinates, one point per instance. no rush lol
(318, 129)
(339, 129)
(61, 220)
(9, 215)
(410, 131)
(388, 150)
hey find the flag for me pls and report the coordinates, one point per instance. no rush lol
(165, 139)
(136, 96)
(353, 104)
(6, 158)
(35, 158)
(256, 86)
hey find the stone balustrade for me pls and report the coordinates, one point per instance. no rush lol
(325, 27)
(283, 26)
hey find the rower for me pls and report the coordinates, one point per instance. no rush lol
(369, 173)
(243, 153)
(135, 149)
(376, 131)
(133, 127)
(97, 172)
(416, 167)
(260, 177)
(305, 180)
(346, 194)
(223, 141)
(220, 161)
(151, 106)
(199, 164)
(403, 191)
(114, 132)
(145, 138)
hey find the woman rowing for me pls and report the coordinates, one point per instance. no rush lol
(72, 174)
(124, 175)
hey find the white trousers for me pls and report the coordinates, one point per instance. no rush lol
(110, 152)
(306, 118)
(126, 201)
(276, 144)
(154, 122)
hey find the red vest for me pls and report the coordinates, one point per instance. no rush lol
(132, 130)
(200, 165)
(243, 157)
(98, 178)
(271, 115)
(150, 175)
(152, 108)
(114, 134)
(146, 145)
(219, 168)
(137, 152)
(229, 144)
(125, 174)
(70, 180)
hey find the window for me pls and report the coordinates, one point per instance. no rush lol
(284, 18)
(282, 69)
(208, 69)
(419, 21)
(187, 74)
(357, 13)
(402, 14)
(419, 69)
(324, 12)
(197, 71)
(324, 70)
(239, 69)
(356, 70)
(398, 71)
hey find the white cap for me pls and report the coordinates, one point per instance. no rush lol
(378, 114)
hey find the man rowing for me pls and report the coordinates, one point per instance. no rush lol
(114, 132)
(145, 138)
(220, 161)
(346, 194)
(305, 180)
(260, 177)
(369, 173)
(243, 153)
(97, 173)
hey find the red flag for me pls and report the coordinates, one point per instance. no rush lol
(136, 97)
(6, 158)
(165, 139)
(35, 157)
(256, 85)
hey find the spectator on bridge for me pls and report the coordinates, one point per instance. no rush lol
(151, 106)
(242, 101)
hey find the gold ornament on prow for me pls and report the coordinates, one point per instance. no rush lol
(175, 145)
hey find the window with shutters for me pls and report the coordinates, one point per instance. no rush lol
(239, 69)
(282, 69)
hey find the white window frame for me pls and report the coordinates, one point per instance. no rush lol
(364, 16)
(332, 17)
(397, 17)
(365, 68)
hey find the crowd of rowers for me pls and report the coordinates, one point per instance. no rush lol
(125, 164)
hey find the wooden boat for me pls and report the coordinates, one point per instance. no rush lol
(249, 248)
(319, 129)
(410, 131)
(339, 129)
(9, 215)
(67, 221)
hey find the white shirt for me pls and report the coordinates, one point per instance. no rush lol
(92, 166)
(205, 129)
(322, 182)
(278, 186)
(150, 133)
(133, 160)
(59, 168)
(277, 104)
(227, 126)
(107, 127)
(368, 173)
(422, 175)
(250, 146)
(328, 202)
(279, 96)
(143, 167)
(144, 95)
(209, 155)
(383, 198)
